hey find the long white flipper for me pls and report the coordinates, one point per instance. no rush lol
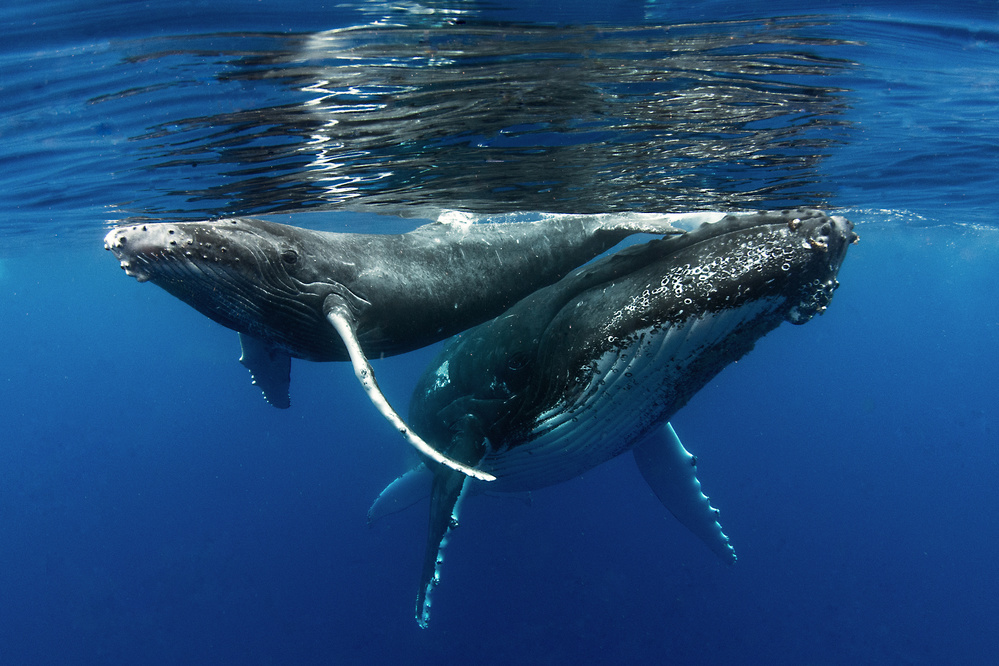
(671, 472)
(340, 320)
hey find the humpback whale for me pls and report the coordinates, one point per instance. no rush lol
(325, 296)
(596, 364)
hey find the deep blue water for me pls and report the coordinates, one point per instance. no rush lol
(153, 509)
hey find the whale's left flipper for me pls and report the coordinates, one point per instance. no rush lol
(671, 472)
(449, 487)
(339, 315)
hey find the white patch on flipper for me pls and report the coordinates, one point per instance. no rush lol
(366, 375)
(691, 221)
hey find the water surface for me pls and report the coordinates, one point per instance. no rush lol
(154, 508)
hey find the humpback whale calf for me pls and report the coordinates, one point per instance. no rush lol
(597, 363)
(324, 296)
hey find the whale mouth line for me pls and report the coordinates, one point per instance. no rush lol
(245, 301)
(242, 286)
(146, 266)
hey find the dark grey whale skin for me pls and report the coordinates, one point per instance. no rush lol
(325, 296)
(516, 366)
(271, 281)
(591, 366)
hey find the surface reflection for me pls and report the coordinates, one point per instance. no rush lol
(498, 118)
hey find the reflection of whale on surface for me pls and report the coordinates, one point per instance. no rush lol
(496, 117)
(597, 363)
(325, 296)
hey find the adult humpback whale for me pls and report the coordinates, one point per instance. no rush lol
(597, 363)
(324, 296)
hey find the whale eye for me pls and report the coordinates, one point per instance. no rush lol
(289, 256)
(514, 376)
(517, 361)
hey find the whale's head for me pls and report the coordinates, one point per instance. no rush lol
(253, 276)
(579, 371)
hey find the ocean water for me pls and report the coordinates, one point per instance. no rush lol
(154, 509)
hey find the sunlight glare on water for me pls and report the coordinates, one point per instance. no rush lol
(482, 117)
(426, 110)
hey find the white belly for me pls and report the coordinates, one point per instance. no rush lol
(634, 391)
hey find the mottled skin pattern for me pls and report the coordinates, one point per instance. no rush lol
(404, 291)
(585, 369)
(543, 351)
(324, 296)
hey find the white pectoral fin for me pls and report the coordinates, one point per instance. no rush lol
(404, 492)
(671, 472)
(447, 490)
(269, 367)
(338, 314)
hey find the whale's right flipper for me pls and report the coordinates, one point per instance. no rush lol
(339, 315)
(671, 472)
(269, 367)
